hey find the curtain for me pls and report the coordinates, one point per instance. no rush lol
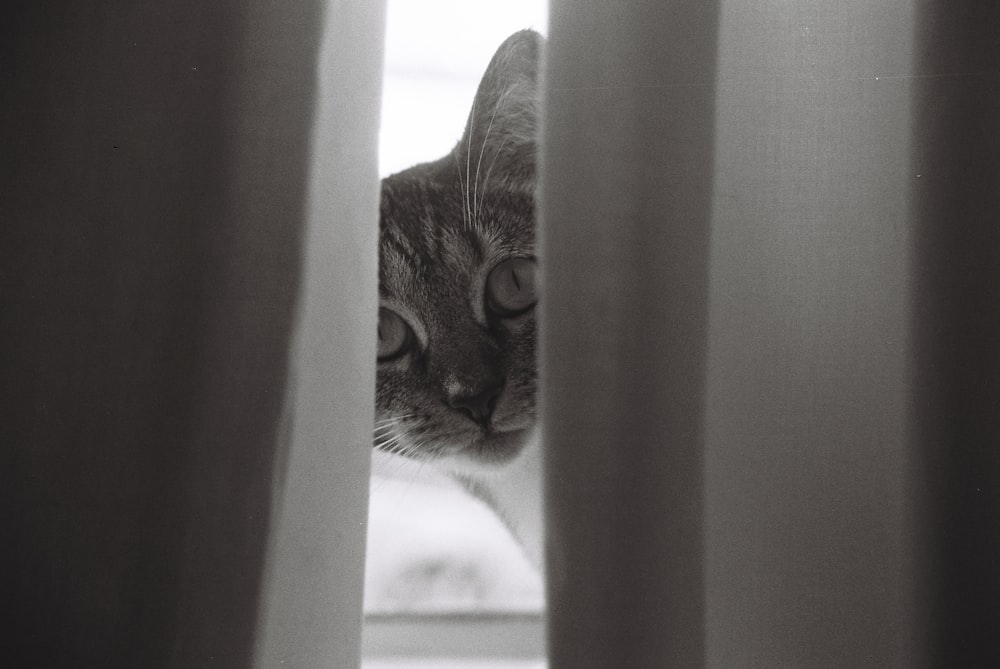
(955, 322)
(770, 337)
(188, 302)
(770, 342)
(625, 208)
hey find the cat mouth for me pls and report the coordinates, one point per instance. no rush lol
(497, 447)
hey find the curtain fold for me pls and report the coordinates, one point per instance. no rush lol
(312, 608)
(625, 192)
(156, 204)
(955, 205)
(770, 380)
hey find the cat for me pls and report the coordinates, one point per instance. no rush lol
(456, 374)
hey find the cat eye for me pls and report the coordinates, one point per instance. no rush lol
(394, 335)
(510, 287)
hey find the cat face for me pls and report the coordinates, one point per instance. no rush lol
(456, 372)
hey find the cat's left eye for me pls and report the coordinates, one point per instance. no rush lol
(394, 335)
(510, 287)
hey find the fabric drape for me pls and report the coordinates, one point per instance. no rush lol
(179, 267)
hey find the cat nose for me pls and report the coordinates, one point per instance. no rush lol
(479, 406)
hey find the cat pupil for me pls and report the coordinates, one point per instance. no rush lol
(393, 335)
(510, 287)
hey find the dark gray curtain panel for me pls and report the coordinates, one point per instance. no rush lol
(157, 169)
(956, 323)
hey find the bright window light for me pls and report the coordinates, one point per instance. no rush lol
(445, 584)
(431, 547)
(435, 53)
(434, 551)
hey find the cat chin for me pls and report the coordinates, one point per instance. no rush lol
(488, 453)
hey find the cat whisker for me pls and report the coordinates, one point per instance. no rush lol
(403, 449)
(468, 162)
(387, 433)
(394, 420)
(397, 417)
(384, 437)
(399, 443)
(398, 449)
(417, 451)
(489, 170)
(477, 205)
(388, 441)
(458, 168)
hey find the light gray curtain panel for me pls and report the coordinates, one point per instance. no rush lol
(771, 333)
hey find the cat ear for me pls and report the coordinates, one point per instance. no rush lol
(503, 124)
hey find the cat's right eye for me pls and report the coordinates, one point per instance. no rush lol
(394, 335)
